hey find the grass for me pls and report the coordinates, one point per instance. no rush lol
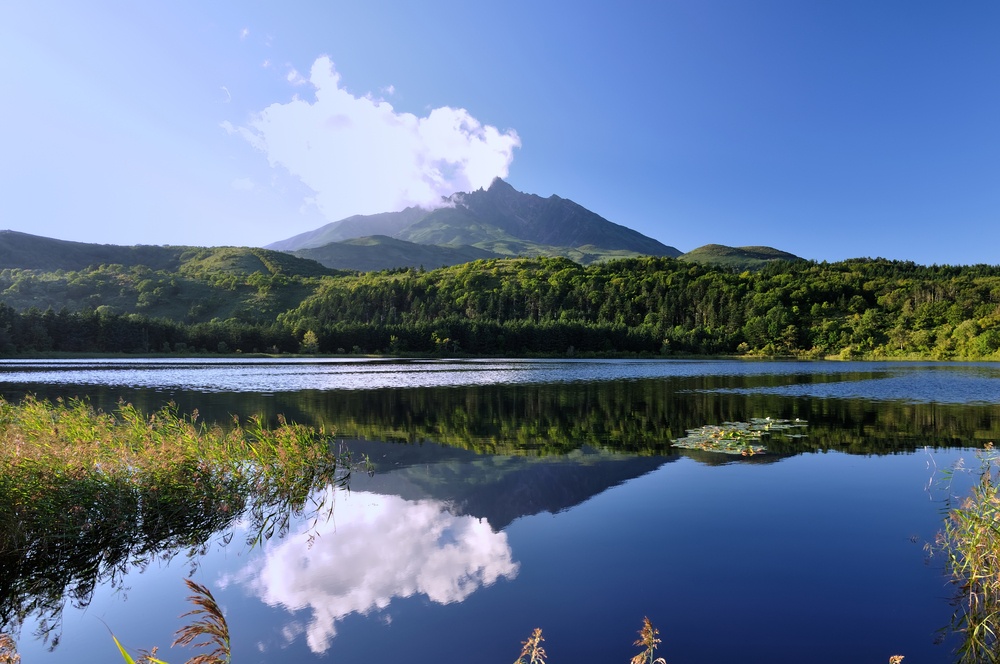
(8, 650)
(87, 495)
(532, 651)
(210, 625)
(970, 540)
(649, 640)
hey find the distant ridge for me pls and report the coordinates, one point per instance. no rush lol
(366, 254)
(499, 220)
(34, 252)
(750, 257)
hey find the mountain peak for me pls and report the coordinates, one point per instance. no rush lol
(499, 184)
(499, 219)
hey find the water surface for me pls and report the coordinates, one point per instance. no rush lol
(510, 495)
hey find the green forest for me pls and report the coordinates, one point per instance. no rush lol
(253, 301)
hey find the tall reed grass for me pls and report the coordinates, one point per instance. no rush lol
(86, 495)
(532, 651)
(211, 627)
(8, 650)
(970, 540)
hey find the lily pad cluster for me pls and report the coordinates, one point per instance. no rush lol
(738, 437)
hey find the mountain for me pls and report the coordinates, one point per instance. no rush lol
(177, 283)
(748, 257)
(367, 254)
(360, 225)
(33, 252)
(499, 220)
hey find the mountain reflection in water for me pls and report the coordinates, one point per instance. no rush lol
(499, 507)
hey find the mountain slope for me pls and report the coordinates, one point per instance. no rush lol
(373, 253)
(748, 257)
(33, 252)
(360, 225)
(184, 284)
(553, 221)
(500, 220)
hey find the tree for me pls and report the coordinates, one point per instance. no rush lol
(310, 343)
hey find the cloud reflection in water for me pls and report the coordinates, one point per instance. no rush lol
(376, 548)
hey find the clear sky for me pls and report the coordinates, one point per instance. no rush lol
(831, 129)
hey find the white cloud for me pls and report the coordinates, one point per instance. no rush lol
(295, 78)
(376, 548)
(360, 156)
(244, 33)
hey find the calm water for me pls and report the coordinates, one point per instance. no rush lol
(510, 495)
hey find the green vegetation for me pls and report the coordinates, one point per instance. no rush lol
(741, 438)
(377, 252)
(864, 308)
(744, 258)
(86, 495)
(245, 285)
(25, 251)
(971, 542)
(247, 300)
(638, 417)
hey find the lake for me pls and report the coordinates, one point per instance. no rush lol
(514, 494)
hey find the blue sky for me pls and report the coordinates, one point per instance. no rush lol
(828, 129)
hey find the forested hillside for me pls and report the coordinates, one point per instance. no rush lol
(661, 305)
(655, 306)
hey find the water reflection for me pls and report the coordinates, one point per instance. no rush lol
(859, 407)
(60, 546)
(499, 489)
(292, 375)
(939, 387)
(375, 549)
(469, 455)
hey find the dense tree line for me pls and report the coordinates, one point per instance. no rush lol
(90, 331)
(863, 307)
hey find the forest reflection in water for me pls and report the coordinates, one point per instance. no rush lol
(523, 488)
(635, 416)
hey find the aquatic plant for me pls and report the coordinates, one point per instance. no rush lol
(87, 495)
(210, 625)
(737, 437)
(8, 650)
(532, 651)
(648, 640)
(971, 541)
